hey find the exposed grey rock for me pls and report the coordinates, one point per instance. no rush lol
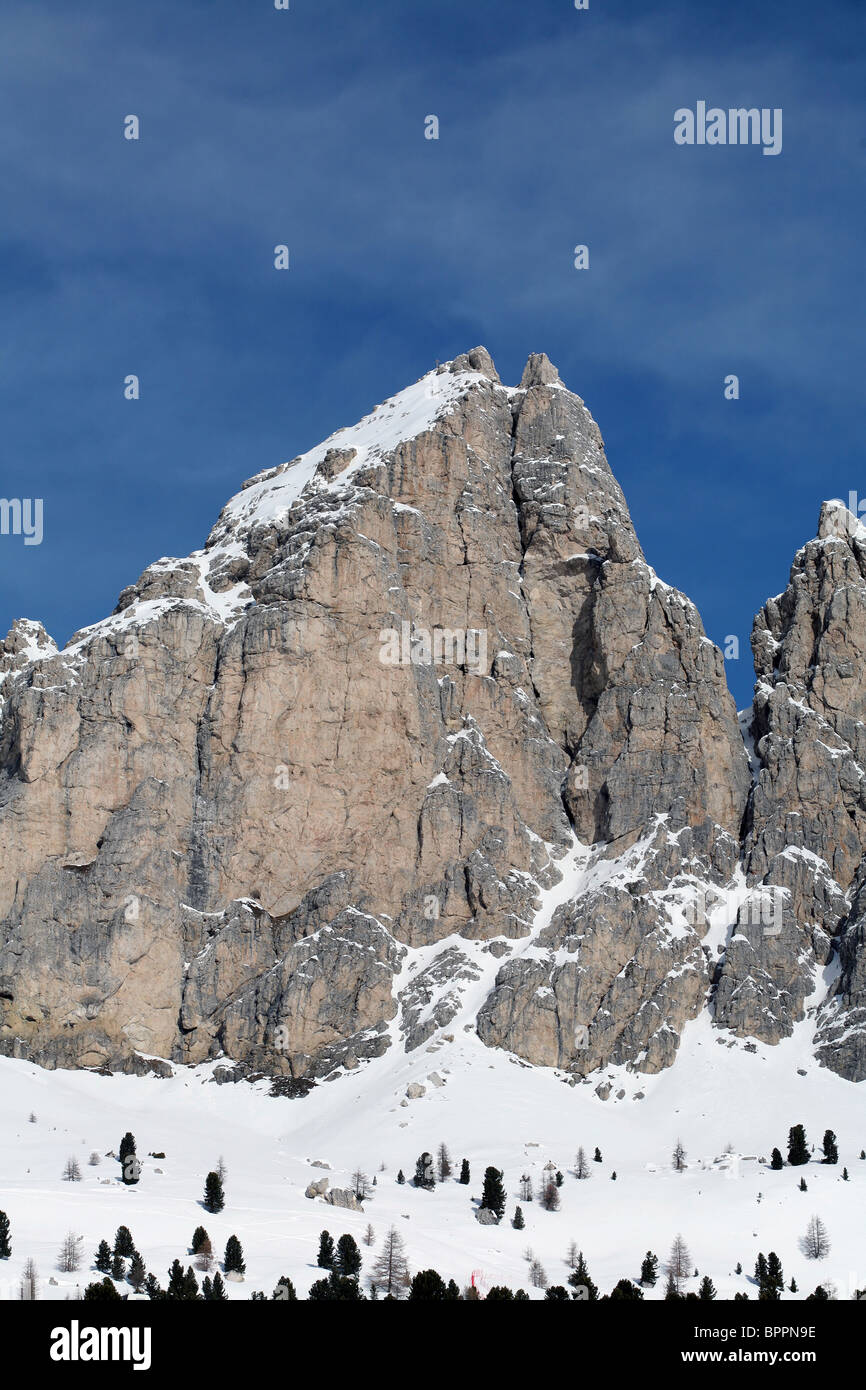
(227, 811)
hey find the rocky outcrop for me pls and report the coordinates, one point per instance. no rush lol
(419, 680)
(807, 831)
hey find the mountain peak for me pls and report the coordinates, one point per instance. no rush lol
(539, 371)
(478, 359)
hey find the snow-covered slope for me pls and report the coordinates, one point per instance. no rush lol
(491, 1109)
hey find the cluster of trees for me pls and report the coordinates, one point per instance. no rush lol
(111, 1261)
(799, 1151)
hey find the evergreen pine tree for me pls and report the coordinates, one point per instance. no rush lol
(831, 1152)
(775, 1277)
(326, 1251)
(233, 1261)
(5, 1243)
(583, 1289)
(199, 1236)
(625, 1289)
(219, 1294)
(776, 1160)
(174, 1291)
(206, 1289)
(427, 1285)
(793, 1286)
(464, 1172)
(493, 1193)
(518, 1223)
(129, 1164)
(649, 1269)
(103, 1257)
(123, 1243)
(845, 1175)
(137, 1272)
(443, 1162)
(347, 1260)
(118, 1267)
(803, 1187)
(103, 1292)
(798, 1148)
(401, 1177)
(214, 1197)
(152, 1288)
(190, 1286)
(425, 1173)
(707, 1290)
(596, 1158)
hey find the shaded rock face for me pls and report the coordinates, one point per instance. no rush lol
(421, 691)
(807, 825)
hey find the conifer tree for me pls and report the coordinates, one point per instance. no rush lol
(123, 1243)
(493, 1193)
(190, 1286)
(390, 1273)
(845, 1177)
(427, 1285)
(401, 1177)
(649, 1269)
(137, 1272)
(803, 1187)
(214, 1197)
(776, 1160)
(103, 1257)
(425, 1173)
(581, 1167)
(798, 1148)
(347, 1260)
(102, 1292)
(118, 1267)
(233, 1261)
(583, 1288)
(199, 1236)
(518, 1223)
(707, 1290)
(219, 1294)
(326, 1251)
(284, 1291)
(130, 1168)
(831, 1152)
(597, 1158)
(625, 1289)
(174, 1289)
(5, 1243)
(464, 1172)
(443, 1163)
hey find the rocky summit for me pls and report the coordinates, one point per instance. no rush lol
(420, 703)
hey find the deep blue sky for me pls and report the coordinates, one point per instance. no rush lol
(306, 127)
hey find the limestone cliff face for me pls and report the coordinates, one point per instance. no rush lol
(420, 690)
(807, 831)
